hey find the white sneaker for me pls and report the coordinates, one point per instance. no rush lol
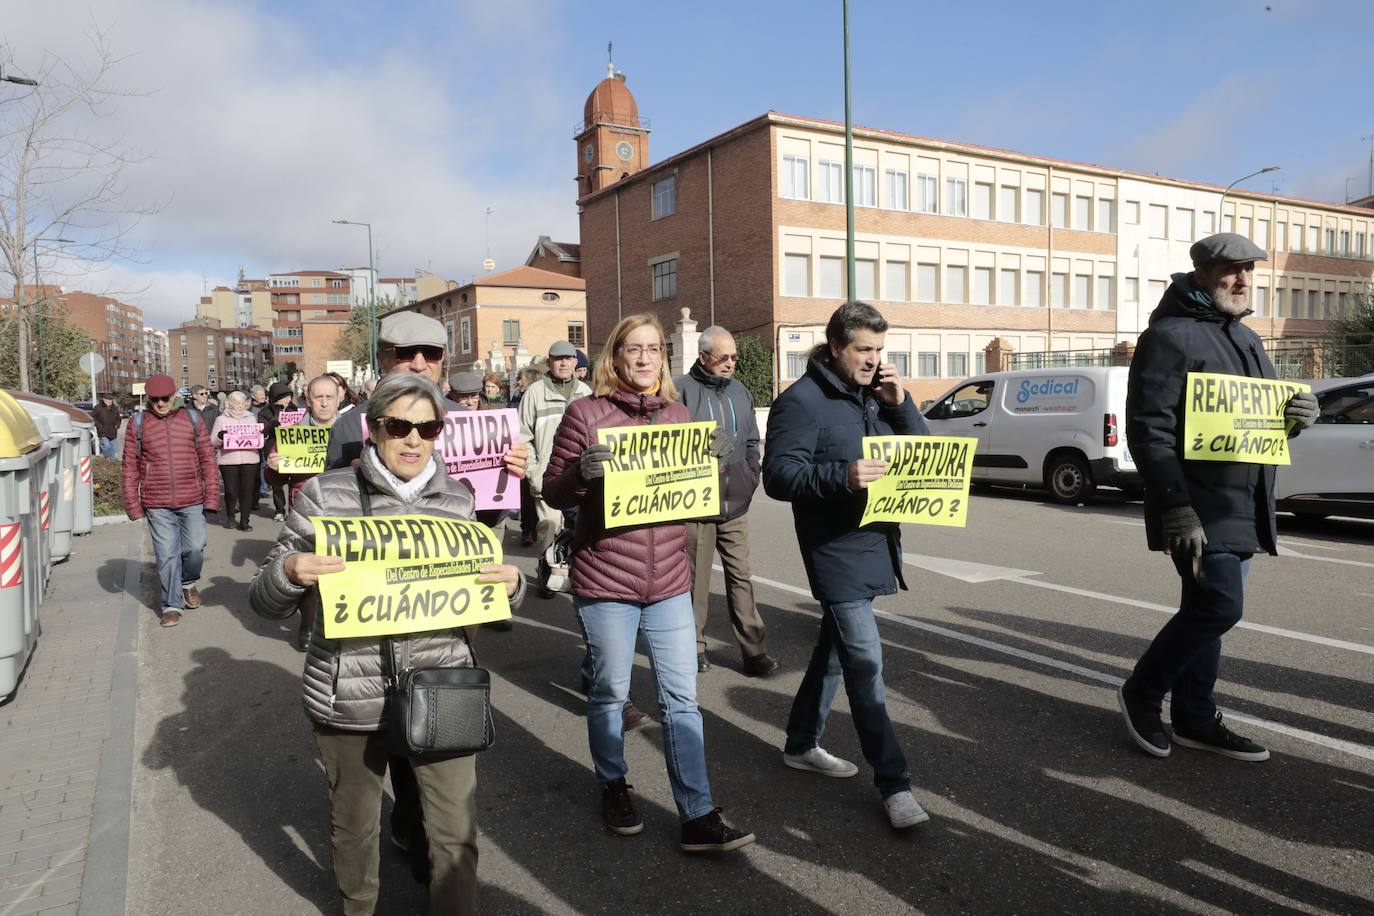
(279, 517)
(818, 760)
(904, 811)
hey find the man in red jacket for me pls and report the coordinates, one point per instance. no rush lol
(170, 476)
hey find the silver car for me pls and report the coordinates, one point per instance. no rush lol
(1333, 462)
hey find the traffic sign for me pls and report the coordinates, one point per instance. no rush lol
(92, 363)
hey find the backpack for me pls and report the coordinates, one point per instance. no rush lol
(138, 424)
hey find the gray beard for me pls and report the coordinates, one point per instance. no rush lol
(1225, 304)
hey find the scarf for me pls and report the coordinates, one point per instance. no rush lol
(407, 490)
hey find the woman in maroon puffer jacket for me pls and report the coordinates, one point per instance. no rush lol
(634, 580)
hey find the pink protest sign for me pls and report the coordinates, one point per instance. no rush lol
(291, 417)
(473, 446)
(242, 435)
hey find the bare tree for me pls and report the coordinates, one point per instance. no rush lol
(61, 174)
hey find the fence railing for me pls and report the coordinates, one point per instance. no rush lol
(1311, 359)
(1057, 359)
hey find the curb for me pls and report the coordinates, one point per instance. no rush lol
(111, 520)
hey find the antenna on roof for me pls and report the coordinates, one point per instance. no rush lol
(610, 61)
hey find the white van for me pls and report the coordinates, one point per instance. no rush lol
(1059, 428)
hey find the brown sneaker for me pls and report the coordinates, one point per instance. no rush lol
(633, 717)
(618, 808)
(171, 618)
(191, 596)
(710, 833)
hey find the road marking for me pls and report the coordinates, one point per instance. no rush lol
(979, 572)
(1335, 744)
(1289, 552)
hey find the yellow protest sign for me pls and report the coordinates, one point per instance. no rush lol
(660, 473)
(926, 482)
(407, 574)
(1235, 418)
(302, 449)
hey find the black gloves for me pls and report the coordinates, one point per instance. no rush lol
(1302, 409)
(722, 446)
(1183, 535)
(592, 464)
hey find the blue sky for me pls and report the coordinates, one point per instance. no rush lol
(268, 119)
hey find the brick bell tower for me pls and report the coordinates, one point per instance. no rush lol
(612, 141)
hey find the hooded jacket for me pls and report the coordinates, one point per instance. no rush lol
(726, 401)
(342, 685)
(541, 411)
(1234, 500)
(641, 565)
(169, 464)
(815, 431)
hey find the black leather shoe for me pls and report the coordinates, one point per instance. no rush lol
(760, 665)
(702, 663)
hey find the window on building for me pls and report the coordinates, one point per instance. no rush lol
(1133, 213)
(1280, 236)
(796, 279)
(1132, 291)
(898, 281)
(796, 364)
(928, 365)
(665, 197)
(956, 197)
(1246, 229)
(980, 362)
(1329, 305)
(1295, 238)
(1105, 216)
(1342, 303)
(1345, 243)
(927, 194)
(665, 279)
(982, 200)
(956, 284)
(1105, 294)
(796, 177)
(1159, 221)
(901, 361)
(1359, 244)
(1312, 239)
(982, 286)
(336, 284)
(1295, 300)
(1059, 290)
(1082, 212)
(865, 186)
(577, 333)
(1034, 290)
(1082, 291)
(316, 281)
(1007, 209)
(1059, 211)
(1008, 293)
(1183, 224)
(550, 297)
(1314, 303)
(1261, 300)
(865, 279)
(927, 285)
(466, 330)
(832, 278)
(896, 197)
(510, 332)
(956, 365)
(1331, 241)
(1262, 233)
(830, 181)
(1209, 222)
(1035, 204)
(1228, 223)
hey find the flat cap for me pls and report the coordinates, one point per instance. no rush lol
(466, 382)
(1226, 248)
(562, 348)
(160, 386)
(411, 329)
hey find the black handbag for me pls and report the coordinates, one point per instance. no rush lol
(434, 712)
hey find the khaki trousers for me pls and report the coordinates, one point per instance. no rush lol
(355, 763)
(549, 524)
(731, 540)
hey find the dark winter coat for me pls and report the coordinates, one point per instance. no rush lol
(1234, 500)
(345, 440)
(639, 565)
(169, 465)
(815, 431)
(726, 401)
(107, 420)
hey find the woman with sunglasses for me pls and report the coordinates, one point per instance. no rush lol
(630, 581)
(343, 684)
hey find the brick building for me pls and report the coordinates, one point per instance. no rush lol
(559, 257)
(116, 332)
(157, 359)
(958, 245)
(302, 296)
(205, 352)
(506, 318)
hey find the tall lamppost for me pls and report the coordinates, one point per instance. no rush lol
(38, 290)
(371, 297)
(1221, 207)
(848, 171)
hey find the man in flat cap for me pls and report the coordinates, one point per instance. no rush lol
(541, 410)
(465, 389)
(1211, 517)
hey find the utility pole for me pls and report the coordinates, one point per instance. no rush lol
(848, 170)
(1370, 138)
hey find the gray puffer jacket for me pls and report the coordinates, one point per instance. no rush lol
(343, 681)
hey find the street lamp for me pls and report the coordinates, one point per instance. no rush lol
(1221, 215)
(38, 288)
(371, 298)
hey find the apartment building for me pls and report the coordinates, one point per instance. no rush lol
(116, 332)
(507, 317)
(204, 351)
(959, 245)
(301, 296)
(157, 358)
(247, 304)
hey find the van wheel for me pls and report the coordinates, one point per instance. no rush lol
(1068, 479)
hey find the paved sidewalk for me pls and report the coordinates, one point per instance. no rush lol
(65, 737)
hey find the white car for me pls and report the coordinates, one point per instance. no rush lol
(1333, 461)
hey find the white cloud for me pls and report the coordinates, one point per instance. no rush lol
(261, 134)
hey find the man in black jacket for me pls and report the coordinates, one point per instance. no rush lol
(279, 398)
(711, 392)
(107, 420)
(814, 460)
(1211, 517)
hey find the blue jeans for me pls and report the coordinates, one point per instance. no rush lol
(1185, 656)
(849, 646)
(107, 448)
(670, 639)
(179, 549)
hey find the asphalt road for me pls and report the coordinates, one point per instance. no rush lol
(1001, 666)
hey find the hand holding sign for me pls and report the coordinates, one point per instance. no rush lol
(517, 459)
(864, 471)
(509, 576)
(305, 569)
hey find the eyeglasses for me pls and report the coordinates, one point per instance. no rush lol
(724, 357)
(156, 399)
(398, 428)
(634, 350)
(430, 353)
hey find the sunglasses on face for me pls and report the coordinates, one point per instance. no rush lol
(407, 354)
(398, 428)
(157, 399)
